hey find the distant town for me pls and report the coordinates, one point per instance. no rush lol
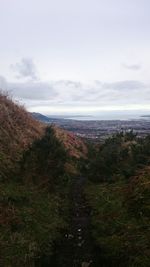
(99, 130)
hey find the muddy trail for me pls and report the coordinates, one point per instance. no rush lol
(76, 249)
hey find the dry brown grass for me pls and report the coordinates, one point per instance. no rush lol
(74, 145)
(17, 131)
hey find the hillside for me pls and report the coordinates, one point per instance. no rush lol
(74, 145)
(41, 117)
(18, 130)
(64, 203)
(36, 164)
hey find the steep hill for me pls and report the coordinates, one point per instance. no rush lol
(18, 130)
(74, 145)
(36, 164)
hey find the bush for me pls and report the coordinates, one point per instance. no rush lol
(118, 194)
(44, 162)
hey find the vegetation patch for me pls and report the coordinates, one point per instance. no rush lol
(118, 193)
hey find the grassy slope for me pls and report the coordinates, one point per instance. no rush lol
(17, 131)
(74, 145)
(34, 186)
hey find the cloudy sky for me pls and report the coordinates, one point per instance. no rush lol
(76, 56)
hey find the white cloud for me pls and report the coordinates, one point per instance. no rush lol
(69, 96)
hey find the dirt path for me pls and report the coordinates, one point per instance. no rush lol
(76, 249)
(81, 225)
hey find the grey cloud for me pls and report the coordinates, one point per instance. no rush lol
(134, 67)
(69, 83)
(76, 94)
(25, 69)
(32, 90)
(125, 85)
(3, 83)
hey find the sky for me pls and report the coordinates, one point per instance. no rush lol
(76, 56)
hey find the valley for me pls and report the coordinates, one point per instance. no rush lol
(69, 202)
(75, 133)
(98, 130)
